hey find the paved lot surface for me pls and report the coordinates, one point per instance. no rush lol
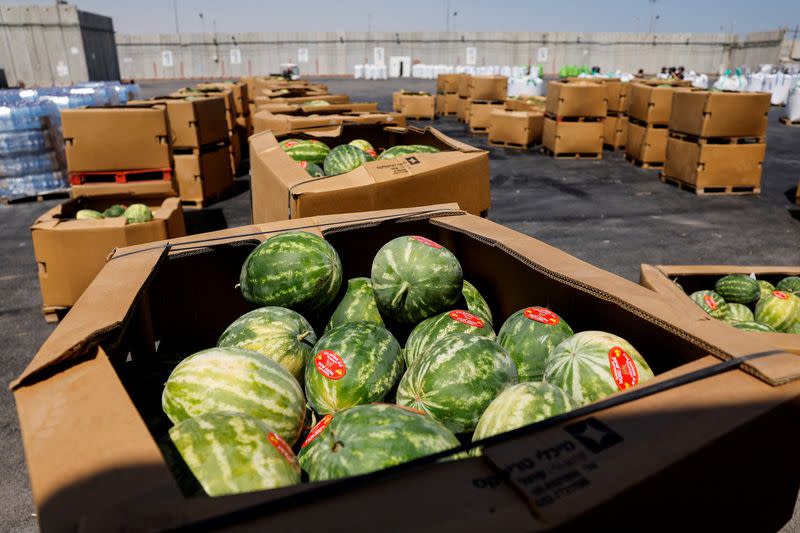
(606, 212)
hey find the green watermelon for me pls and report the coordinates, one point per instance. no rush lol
(475, 302)
(529, 336)
(114, 211)
(738, 288)
(353, 364)
(136, 213)
(306, 150)
(371, 437)
(766, 287)
(357, 305)
(751, 325)
(345, 158)
(88, 214)
(295, 269)
(275, 332)
(789, 284)
(794, 329)
(739, 313)
(231, 453)
(778, 309)
(415, 278)
(711, 302)
(317, 103)
(406, 149)
(430, 330)
(591, 365)
(521, 405)
(239, 381)
(313, 169)
(364, 145)
(456, 380)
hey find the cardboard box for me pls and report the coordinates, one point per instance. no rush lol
(528, 103)
(720, 114)
(576, 99)
(241, 96)
(447, 104)
(462, 108)
(516, 128)
(463, 85)
(572, 137)
(245, 122)
(280, 189)
(418, 106)
(69, 253)
(151, 188)
(280, 124)
(116, 138)
(706, 165)
(488, 87)
(447, 83)
(95, 464)
(615, 131)
(646, 144)
(226, 93)
(480, 115)
(650, 104)
(302, 110)
(662, 279)
(617, 95)
(236, 153)
(203, 176)
(331, 98)
(194, 123)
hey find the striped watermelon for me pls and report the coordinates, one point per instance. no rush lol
(357, 305)
(221, 380)
(475, 302)
(415, 278)
(406, 149)
(778, 309)
(711, 302)
(306, 150)
(137, 213)
(739, 313)
(457, 379)
(276, 332)
(789, 284)
(529, 336)
(430, 330)
(751, 325)
(313, 169)
(353, 364)
(521, 405)
(738, 288)
(591, 365)
(364, 145)
(766, 287)
(295, 269)
(345, 158)
(231, 453)
(116, 210)
(371, 437)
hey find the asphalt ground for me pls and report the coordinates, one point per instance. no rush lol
(606, 212)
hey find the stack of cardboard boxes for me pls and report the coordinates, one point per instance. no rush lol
(486, 94)
(717, 142)
(417, 105)
(648, 122)
(447, 94)
(574, 119)
(462, 89)
(519, 124)
(241, 102)
(615, 132)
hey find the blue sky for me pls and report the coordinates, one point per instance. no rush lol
(696, 16)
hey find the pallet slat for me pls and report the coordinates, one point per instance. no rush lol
(750, 139)
(572, 155)
(120, 176)
(711, 191)
(506, 144)
(644, 164)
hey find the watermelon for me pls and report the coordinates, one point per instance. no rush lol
(751, 325)
(313, 169)
(711, 302)
(364, 145)
(789, 284)
(415, 278)
(136, 213)
(456, 379)
(371, 437)
(529, 336)
(778, 309)
(738, 288)
(295, 269)
(230, 453)
(475, 302)
(794, 329)
(88, 214)
(275, 332)
(306, 150)
(406, 149)
(521, 405)
(345, 158)
(234, 380)
(353, 364)
(739, 313)
(317, 103)
(357, 305)
(766, 286)
(430, 330)
(591, 365)
(114, 211)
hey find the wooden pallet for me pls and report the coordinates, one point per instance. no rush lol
(573, 119)
(614, 147)
(61, 193)
(479, 131)
(53, 314)
(751, 139)
(450, 114)
(121, 176)
(787, 122)
(643, 124)
(714, 191)
(644, 164)
(572, 155)
(427, 117)
(516, 146)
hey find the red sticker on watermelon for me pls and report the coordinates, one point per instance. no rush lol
(710, 301)
(780, 294)
(279, 444)
(289, 144)
(330, 365)
(303, 164)
(466, 318)
(543, 315)
(373, 153)
(623, 368)
(427, 242)
(316, 430)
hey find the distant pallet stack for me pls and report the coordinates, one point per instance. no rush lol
(486, 94)
(649, 109)
(447, 94)
(574, 119)
(615, 133)
(717, 142)
(462, 90)
(415, 105)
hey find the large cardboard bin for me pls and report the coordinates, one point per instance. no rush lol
(419, 106)
(646, 143)
(519, 129)
(480, 114)
(203, 176)
(718, 414)
(194, 123)
(615, 131)
(572, 137)
(652, 105)
(720, 114)
(576, 99)
(447, 83)
(488, 87)
(706, 165)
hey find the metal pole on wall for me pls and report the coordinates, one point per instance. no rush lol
(175, 10)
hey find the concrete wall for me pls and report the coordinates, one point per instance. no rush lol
(201, 55)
